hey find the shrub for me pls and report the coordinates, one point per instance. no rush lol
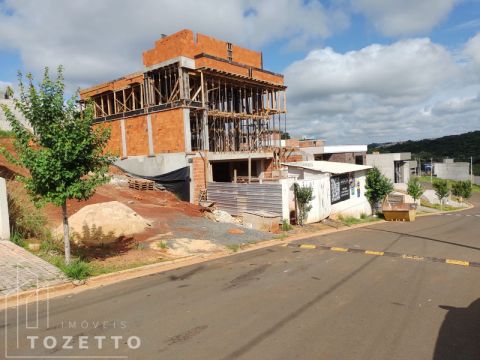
(286, 225)
(303, 194)
(77, 269)
(462, 189)
(377, 186)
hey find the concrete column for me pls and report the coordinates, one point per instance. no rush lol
(205, 130)
(151, 151)
(187, 130)
(4, 221)
(124, 138)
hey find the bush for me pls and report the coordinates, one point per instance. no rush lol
(462, 189)
(303, 194)
(377, 186)
(286, 225)
(77, 269)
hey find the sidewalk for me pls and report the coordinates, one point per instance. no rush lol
(18, 266)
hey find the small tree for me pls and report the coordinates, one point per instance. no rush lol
(377, 186)
(441, 190)
(462, 189)
(303, 194)
(64, 154)
(414, 188)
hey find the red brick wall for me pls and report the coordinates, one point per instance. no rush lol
(168, 132)
(183, 43)
(114, 145)
(137, 135)
(198, 177)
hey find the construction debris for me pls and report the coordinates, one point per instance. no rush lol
(141, 184)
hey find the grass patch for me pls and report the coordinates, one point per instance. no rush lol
(76, 270)
(100, 268)
(426, 179)
(6, 134)
(162, 245)
(351, 220)
(234, 247)
(26, 220)
(439, 207)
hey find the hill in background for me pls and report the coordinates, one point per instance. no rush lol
(459, 147)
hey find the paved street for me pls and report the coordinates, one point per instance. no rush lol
(287, 303)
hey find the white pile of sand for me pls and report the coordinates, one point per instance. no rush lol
(104, 223)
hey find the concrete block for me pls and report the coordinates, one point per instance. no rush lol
(4, 221)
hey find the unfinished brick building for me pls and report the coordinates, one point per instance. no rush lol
(201, 107)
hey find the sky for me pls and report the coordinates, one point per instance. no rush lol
(357, 71)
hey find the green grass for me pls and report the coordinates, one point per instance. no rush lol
(6, 134)
(350, 220)
(286, 226)
(99, 268)
(162, 245)
(76, 270)
(439, 207)
(426, 179)
(234, 247)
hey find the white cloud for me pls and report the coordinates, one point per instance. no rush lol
(404, 17)
(472, 49)
(101, 40)
(381, 92)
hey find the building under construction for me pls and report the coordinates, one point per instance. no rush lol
(202, 110)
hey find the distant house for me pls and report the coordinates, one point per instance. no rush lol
(396, 166)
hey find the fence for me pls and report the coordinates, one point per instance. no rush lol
(236, 198)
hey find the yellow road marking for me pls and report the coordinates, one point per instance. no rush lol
(457, 262)
(308, 246)
(412, 257)
(371, 252)
(334, 248)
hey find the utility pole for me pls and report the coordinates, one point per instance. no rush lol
(471, 171)
(431, 171)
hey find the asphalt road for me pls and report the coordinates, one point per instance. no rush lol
(283, 303)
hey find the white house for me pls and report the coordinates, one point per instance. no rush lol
(338, 188)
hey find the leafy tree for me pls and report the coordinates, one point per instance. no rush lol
(414, 188)
(64, 154)
(441, 190)
(303, 194)
(377, 186)
(462, 189)
(284, 135)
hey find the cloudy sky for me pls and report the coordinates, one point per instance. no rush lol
(357, 71)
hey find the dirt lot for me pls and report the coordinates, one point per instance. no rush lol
(174, 223)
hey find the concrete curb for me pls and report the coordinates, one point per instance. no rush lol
(112, 278)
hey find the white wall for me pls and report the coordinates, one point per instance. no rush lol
(451, 170)
(321, 203)
(4, 222)
(355, 206)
